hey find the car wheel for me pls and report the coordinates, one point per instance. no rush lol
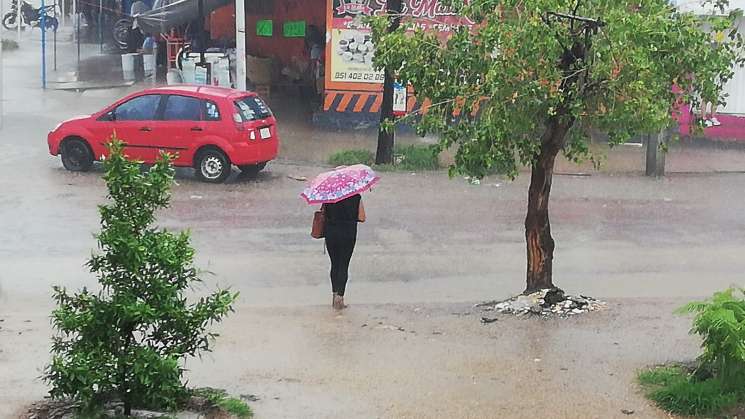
(212, 166)
(76, 155)
(252, 169)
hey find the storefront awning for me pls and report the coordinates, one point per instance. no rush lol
(166, 15)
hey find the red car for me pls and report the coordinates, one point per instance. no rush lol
(207, 128)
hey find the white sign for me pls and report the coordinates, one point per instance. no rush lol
(399, 99)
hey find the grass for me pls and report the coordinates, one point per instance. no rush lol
(9, 45)
(406, 158)
(350, 157)
(220, 398)
(675, 389)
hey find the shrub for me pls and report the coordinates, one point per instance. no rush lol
(127, 340)
(720, 321)
(718, 380)
(677, 391)
(220, 398)
(412, 157)
(416, 157)
(350, 157)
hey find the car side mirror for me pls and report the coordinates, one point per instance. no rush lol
(108, 116)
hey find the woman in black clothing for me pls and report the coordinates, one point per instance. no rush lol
(341, 236)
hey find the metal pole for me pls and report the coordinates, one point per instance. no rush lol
(2, 96)
(43, 47)
(18, 18)
(655, 166)
(100, 28)
(240, 44)
(77, 31)
(54, 35)
(200, 6)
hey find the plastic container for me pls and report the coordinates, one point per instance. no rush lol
(173, 77)
(148, 61)
(129, 65)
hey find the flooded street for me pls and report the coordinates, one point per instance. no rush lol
(411, 344)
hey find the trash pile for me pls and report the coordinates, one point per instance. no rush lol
(546, 302)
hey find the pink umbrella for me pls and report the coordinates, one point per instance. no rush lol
(339, 184)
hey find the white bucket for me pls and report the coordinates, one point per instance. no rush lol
(148, 61)
(173, 76)
(128, 66)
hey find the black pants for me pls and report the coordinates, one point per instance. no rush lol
(340, 245)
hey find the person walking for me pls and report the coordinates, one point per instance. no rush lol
(339, 193)
(340, 231)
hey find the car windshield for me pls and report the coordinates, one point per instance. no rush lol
(251, 108)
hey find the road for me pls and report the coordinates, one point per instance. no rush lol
(432, 248)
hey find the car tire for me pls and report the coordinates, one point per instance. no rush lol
(252, 169)
(212, 166)
(76, 155)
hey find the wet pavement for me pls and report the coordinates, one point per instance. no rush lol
(410, 346)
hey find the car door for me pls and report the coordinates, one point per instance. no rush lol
(182, 124)
(134, 122)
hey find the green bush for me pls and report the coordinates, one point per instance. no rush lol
(127, 341)
(416, 157)
(350, 157)
(408, 158)
(718, 380)
(720, 321)
(676, 390)
(220, 398)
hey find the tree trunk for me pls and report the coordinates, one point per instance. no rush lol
(540, 244)
(384, 154)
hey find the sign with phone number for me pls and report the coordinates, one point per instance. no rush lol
(358, 76)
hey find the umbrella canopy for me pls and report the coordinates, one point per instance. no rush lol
(339, 184)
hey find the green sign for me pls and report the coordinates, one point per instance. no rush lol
(264, 28)
(294, 29)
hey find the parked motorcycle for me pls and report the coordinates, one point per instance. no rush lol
(30, 16)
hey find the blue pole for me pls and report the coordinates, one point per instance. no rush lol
(43, 45)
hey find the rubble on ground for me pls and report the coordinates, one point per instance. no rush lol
(546, 302)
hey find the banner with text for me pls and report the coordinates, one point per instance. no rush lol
(351, 47)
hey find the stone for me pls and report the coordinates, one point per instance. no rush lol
(553, 296)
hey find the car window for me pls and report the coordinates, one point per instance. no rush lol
(211, 111)
(183, 108)
(252, 108)
(141, 108)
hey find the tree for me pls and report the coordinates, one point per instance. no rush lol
(384, 154)
(534, 76)
(127, 340)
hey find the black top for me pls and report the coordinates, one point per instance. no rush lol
(343, 212)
